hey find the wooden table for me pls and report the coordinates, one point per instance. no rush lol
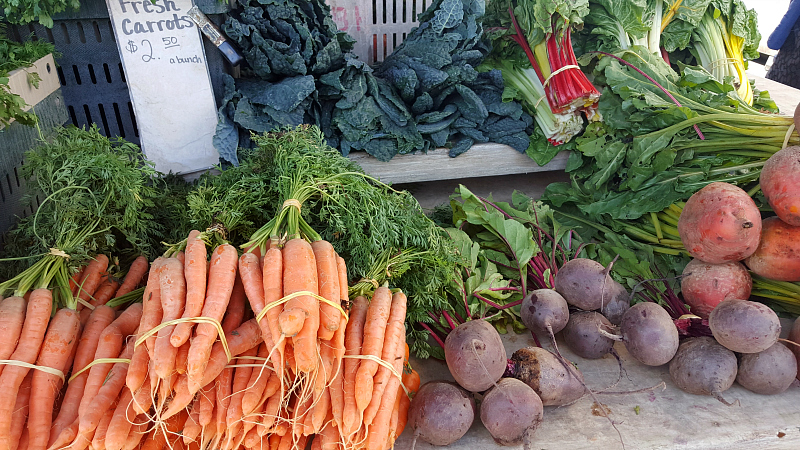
(491, 160)
(667, 418)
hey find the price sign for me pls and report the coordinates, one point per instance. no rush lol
(167, 75)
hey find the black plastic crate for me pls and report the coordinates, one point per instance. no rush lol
(90, 70)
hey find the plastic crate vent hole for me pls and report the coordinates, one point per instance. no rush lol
(90, 72)
(378, 26)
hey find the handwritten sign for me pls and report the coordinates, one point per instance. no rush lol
(165, 67)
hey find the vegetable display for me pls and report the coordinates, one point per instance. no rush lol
(426, 94)
(280, 303)
(532, 46)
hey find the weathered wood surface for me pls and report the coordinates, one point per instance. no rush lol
(482, 160)
(667, 418)
(19, 84)
(486, 160)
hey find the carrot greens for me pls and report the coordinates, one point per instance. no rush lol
(90, 195)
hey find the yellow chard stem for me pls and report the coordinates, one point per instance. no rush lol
(673, 9)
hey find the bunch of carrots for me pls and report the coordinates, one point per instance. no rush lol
(40, 351)
(224, 352)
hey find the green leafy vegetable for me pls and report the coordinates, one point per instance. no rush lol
(93, 195)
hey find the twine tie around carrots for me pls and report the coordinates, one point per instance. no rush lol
(56, 252)
(372, 281)
(201, 319)
(45, 369)
(98, 361)
(384, 363)
(292, 203)
(300, 294)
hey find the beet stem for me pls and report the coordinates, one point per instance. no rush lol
(449, 319)
(435, 336)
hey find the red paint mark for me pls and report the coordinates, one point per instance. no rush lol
(339, 14)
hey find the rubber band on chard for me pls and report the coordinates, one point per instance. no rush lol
(554, 89)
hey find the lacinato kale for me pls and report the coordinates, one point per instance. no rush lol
(426, 94)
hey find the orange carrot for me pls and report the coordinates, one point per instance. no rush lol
(234, 315)
(192, 427)
(195, 271)
(157, 439)
(378, 432)
(21, 410)
(328, 279)
(241, 376)
(92, 277)
(393, 343)
(105, 292)
(289, 442)
(62, 336)
(205, 409)
(221, 278)
(109, 345)
(335, 384)
(271, 411)
(329, 436)
(138, 431)
(411, 381)
(300, 316)
(251, 439)
(134, 276)
(142, 398)
(151, 299)
(253, 280)
(121, 422)
(351, 419)
(99, 438)
(66, 436)
(137, 371)
(109, 391)
(259, 378)
(223, 393)
(344, 295)
(23, 441)
(12, 316)
(274, 441)
(33, 330)
(243, 338)
(374, 334)
(320, 411)
(173, 299)
(273, 291)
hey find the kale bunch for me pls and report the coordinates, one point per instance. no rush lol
(288, 46)
(434, 72)
(427, 94)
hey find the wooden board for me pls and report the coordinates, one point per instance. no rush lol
(667, 418)
(486, 160)
(482, 160)
(18, 81)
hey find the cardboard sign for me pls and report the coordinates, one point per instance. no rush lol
(167, 75)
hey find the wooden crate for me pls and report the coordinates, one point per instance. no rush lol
(48, 104)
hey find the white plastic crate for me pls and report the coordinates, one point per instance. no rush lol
(378, 26)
